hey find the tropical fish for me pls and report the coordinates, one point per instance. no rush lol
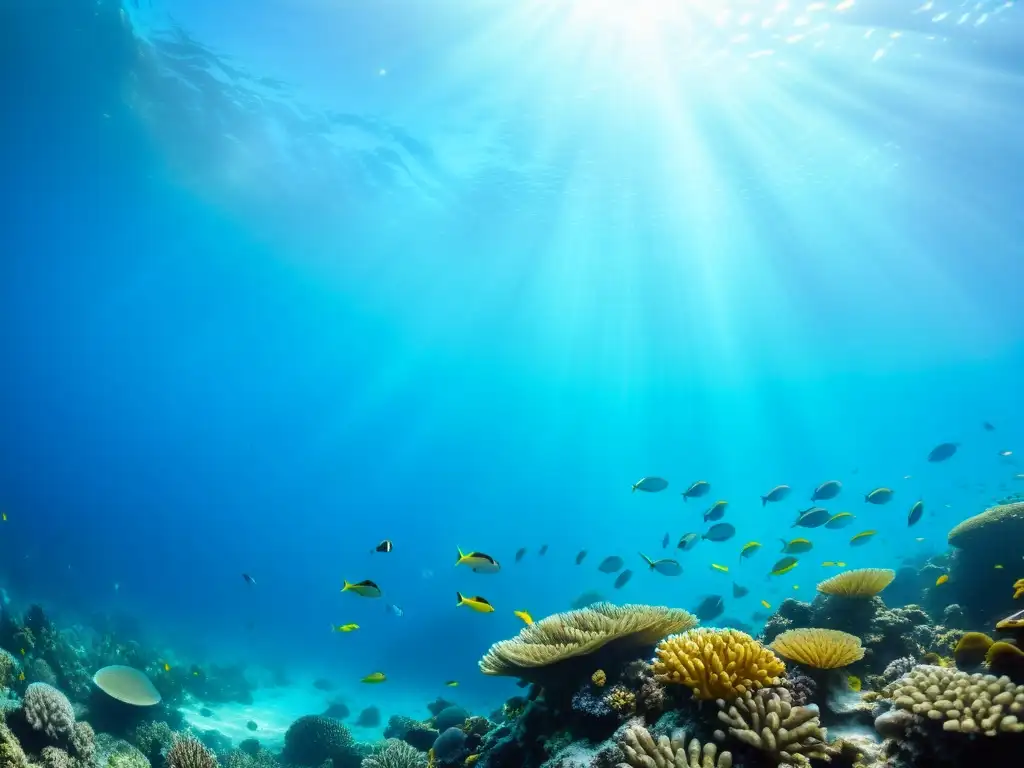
(362, 588)
(687, 541)
(766, 604)
(942, 452)
(478, 561)
(942, 580)
(650, 484)
(739, 590)
(452, 683)
(520, 554)
(987, 427)
(21, 677)
(384, 546)
(716, 511)
(664, 541)
(778, 493)
(783, 566)
(543, 550)
(915, 514)
(1004, 454)
(623, 578)
(710, 607)
(722, 568)
(998, 567)
(827, 490)
(750, 548)
(862, 538)
(394, 610)
(580, 556)
(4, 516)
(478, 604)
(719, 532)
(828, 564)
(840, 564)
(840, 520)
(1018, 589)
(796, 546)
(344, 628)
(853, 682)
(523, 616)
(814, 517)
(374, 677)
(879, 496)
(167, 667)
(248, 579)
(696, 490)
(796, 586)
(665, 567)
(610, 564)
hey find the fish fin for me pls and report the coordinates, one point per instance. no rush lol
(764, 501)
(784, 544)
(649, 561)
(347, 586)
(459, 599)
(461, 555)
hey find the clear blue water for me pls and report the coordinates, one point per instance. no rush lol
(280, 280)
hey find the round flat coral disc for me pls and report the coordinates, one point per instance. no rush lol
(127, 684)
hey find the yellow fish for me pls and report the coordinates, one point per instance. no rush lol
(364, 588)
(840, 564)
(525, 616)
(783, 566)
(5, 517)
(167, 667)
(942, 580)
(750, 548)
(998, 567)
(374, 677)
(22, 651)
(854, 682)
(21, 677)
(344, 628)
(796, 586)
(722, 568)
(862, 538)
(828, 564)
(478, 604)
(766, 604)
(452, 683)
(478, 561)
(1018, 589)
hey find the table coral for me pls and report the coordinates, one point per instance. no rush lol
(819, 648)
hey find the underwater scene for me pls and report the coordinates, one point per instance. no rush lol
(511, 384)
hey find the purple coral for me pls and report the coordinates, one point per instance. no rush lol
(48, 710)
(801, 687)
(586, 703)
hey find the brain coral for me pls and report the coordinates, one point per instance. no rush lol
(860, 582)
(642, 751)
(991, 526)
(819, 648)
(716, 663)
(963, 703)
(48, 710)
(312, 739)
(582, 632)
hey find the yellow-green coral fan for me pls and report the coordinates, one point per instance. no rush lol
(860, 582)
(1003, 520)
(767, 720)
(964, 703)
(819, 648)
(716, 663)
(578, 633)
(642, 751)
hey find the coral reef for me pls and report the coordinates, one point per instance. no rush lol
(971, 649)
(395, 753)
(642, 751)
(413, 732)
(312, 739)
(819, 648)
(48, 710)
(860, 582)
(716, 663)
(565, 636)
(993, 536)
(450, 717)
(189, 752)
(369, 718)
(768, 721)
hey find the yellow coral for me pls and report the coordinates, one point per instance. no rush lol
(1005, 659)
(717, 663)
(1018, 589)
(860, 582)
(971, 649)
(578, 633)
(621, 700)
(1006, 520)
(819, 648)
(599, 678)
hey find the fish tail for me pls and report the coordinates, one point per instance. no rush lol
(347, 586)
(649, 561)
(784, 544)
(461, 555)
(764, 501)
(459, 599)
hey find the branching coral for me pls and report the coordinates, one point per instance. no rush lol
(716, 663)
(768, 721)
(599, 678)
(189, 752)
(48, 710)
(642, 751)
(964, 703)
(819, 648)
(395, 753)
(621, 700)
(579, 633)
(312, 739)
(861, 582)
(11, 753)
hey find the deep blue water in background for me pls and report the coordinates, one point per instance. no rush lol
(290, 279)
